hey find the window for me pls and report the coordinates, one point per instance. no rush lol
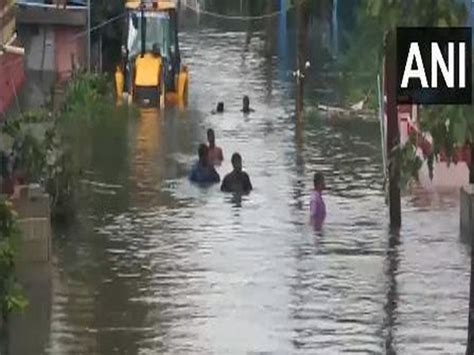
(157, 31)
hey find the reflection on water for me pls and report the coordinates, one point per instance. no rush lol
(160, 266)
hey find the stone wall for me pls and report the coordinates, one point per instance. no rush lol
(28, 332)
(34, 220)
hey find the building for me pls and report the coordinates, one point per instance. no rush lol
(12, 75)
(55, 38)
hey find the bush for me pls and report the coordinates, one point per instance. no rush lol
(53, 149)
(11, 298)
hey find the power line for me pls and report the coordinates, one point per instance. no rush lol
(89, 33)
(238, 18)
(102, 24)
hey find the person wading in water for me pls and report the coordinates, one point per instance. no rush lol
(317, 205)
(215, 153)
(246, 105)
(237, 181)
(203, 172)
(219, 108)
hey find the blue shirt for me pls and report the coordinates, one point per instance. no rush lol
(204, 174)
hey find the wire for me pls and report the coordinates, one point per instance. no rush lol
(100, 25)
(72, 38)
(238, 18)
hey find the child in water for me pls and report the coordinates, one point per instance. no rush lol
(317, 205)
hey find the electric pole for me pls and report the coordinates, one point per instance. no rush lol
(393, 131)
(89, 36)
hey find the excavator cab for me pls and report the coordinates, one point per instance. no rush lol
(151, 73)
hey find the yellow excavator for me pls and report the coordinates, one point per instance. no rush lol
(151, 73)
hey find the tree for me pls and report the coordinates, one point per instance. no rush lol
(363, 59)
(11, 296)
(451, 127)
(102, 11)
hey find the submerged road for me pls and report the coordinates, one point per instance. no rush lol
(158, 266)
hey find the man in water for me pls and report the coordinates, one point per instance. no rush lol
(215, 153)
(317, 205)
(246, 105)
(219, 108)
(237, 181)
(203, 172)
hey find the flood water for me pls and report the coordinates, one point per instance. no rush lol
(158, 266)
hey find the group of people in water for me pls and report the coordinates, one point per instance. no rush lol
(246, 109)
(238, 181)
(210, 156)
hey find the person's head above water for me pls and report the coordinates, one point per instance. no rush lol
(246, 104)
(318, 181)
(236, 162)
(220, 107)
(156, 50)
(211, 137)
(203, 153)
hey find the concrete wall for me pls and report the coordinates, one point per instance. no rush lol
(37, 89)
(467, 212)
(49, 54)
(48, 14)
(39, 46)
(71, 48)
(34, 220)
(29, 331)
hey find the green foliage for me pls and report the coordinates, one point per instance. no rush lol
(85, 94)
(26, 133)
(88, 100)
(391, 14)
(410, 162)
(11, 298)
(450, 126)
(110, 34)
(451, 129)
(53, 149)
(363, 59)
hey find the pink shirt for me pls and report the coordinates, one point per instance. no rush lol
(317, 208)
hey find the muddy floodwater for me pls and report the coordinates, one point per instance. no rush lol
(156, 265)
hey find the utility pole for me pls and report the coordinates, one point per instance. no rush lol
(335, 29)
(298, 74)
(89, 36)
(470, 328)
(393, 132)
(302, 18)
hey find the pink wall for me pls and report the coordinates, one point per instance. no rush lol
(68, 44)
(12, 77)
